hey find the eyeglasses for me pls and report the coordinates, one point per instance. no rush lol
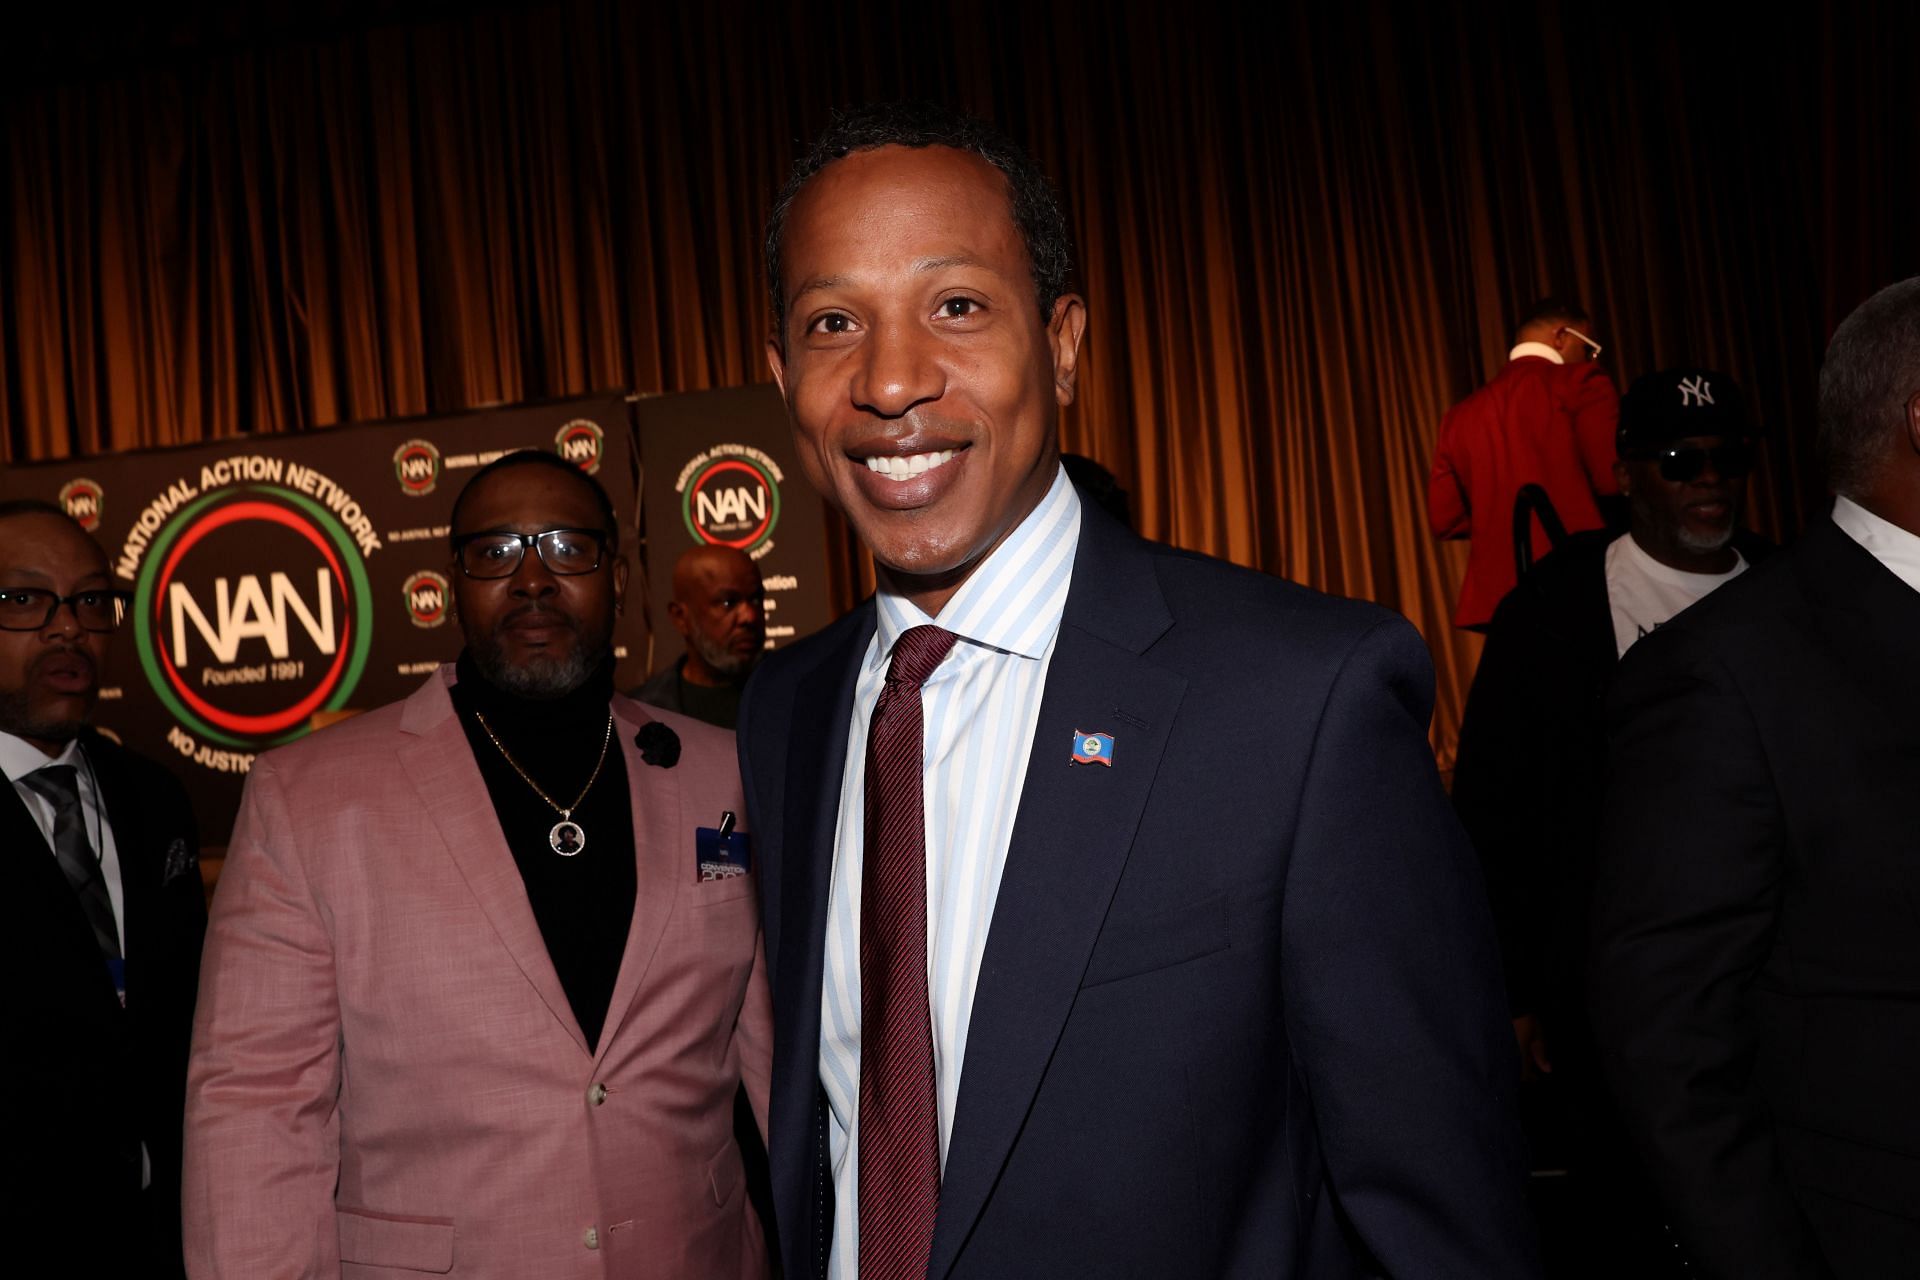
(1680, 466)
(1592, 346)
(32, 608)
(498, 555)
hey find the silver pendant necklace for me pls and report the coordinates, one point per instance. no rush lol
(566, 837)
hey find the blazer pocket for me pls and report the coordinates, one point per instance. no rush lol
(1144, 944)
(389, 1240)
(708, 892)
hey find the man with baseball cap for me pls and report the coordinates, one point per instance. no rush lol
(1528, 781)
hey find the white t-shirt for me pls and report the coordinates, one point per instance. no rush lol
(1645, 593)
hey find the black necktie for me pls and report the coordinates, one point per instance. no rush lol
(59, 785)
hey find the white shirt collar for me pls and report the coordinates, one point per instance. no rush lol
(1014, 600)
(1896, 548)
(20, 757)
(1540, 349)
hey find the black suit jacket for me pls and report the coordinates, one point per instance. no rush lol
(1239, 1012)
(94, 1080)
(1530, 773)
(1756, 954)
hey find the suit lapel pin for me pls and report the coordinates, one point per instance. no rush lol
(1093, 748)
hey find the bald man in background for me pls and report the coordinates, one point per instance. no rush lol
(719, 607)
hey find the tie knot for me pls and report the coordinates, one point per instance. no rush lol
(917, 652)
(59, 784)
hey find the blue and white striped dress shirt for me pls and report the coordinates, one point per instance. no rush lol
(980, 707)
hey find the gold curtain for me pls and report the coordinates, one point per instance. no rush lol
(1303, 232)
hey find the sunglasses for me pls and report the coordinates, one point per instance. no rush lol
(1681, 466)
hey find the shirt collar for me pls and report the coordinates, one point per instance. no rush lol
(1896, 548)
(20, 757)
(1014, 600)
(1539, 349)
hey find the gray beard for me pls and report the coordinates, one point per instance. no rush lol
(721, 660)
(541, 677)
(1699, 545)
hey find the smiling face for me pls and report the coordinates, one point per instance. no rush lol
(923, 384)
(50, 678)
(536, 633)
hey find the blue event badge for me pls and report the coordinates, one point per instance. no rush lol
(721, 853)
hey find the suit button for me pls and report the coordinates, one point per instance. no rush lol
(597, 1093)
(592, 1238)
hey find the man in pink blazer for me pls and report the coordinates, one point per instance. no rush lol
(478, 990)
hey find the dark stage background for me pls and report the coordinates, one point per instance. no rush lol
(1303, 231)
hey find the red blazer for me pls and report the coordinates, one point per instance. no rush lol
(1536, 423)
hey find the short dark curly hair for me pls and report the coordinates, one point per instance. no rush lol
(1036, 211)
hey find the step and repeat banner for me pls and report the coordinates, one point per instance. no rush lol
(720, 471)
(282, 581)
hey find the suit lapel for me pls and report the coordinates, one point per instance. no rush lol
(816, 761)
(1070, 842)
(440, 765)
(663, 859)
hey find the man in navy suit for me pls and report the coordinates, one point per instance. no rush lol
(1116, 919)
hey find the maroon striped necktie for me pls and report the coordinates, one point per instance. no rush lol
(899, 1155)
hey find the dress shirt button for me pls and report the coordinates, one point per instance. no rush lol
(596, 1093)
(592, 1238)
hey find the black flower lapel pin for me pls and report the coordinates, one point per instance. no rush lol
(658, 744)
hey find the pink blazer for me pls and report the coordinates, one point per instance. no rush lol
(387, 1079)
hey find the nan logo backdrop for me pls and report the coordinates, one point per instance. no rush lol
(277, 579)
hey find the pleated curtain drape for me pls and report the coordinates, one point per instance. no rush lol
(1303, 230)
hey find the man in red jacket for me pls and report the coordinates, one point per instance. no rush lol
(1547, 419)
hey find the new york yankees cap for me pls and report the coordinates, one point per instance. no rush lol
(1676, 403)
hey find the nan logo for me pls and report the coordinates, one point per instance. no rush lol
(250, 613)
(416, 464)
(581, 442)
(83, 500)
(426, 596)
(730, 497)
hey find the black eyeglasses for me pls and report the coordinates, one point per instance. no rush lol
(498, 555)
(32, 608)
(1680, 466)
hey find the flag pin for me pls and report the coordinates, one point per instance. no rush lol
(1093, 748)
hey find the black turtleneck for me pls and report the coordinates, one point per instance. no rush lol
(583, 904)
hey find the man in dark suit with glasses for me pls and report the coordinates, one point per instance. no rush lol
(102, 921)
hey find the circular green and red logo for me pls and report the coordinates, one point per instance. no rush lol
(252, 612)
(732, 499)
(84, 500)
(581, 442)
(416, 464)
(426, 594)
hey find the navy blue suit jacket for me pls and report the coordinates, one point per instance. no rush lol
(1240, 1011)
